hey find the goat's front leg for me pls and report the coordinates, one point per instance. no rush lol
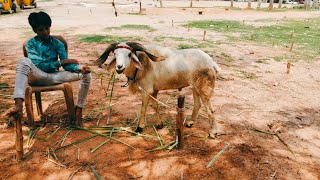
(142, 119)
(156, 109)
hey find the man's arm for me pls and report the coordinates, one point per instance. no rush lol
(67, 64)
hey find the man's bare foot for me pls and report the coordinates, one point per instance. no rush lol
(12, 111)
(15, 111)
(11, 114)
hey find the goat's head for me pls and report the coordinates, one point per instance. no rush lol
(124, 55)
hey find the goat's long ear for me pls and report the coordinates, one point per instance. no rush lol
(139, 47)
(152, 57)
(105, 54)
(112, 64)
(136, 61)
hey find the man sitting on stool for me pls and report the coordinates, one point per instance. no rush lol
(41, 68)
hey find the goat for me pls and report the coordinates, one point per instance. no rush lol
(144, 71)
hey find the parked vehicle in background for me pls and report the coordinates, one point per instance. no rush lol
(285, 1)
(7, 6)
(26, 3)
(302, 2)
(292, 2)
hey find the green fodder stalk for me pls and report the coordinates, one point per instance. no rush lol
(113, 77)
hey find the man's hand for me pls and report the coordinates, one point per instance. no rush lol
(85, 69)
(69, 61)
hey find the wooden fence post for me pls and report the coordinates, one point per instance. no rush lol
(204, 35)
(179, 122)
(288, 67)
(292, 41)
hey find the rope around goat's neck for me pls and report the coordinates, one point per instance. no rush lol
(131, 79)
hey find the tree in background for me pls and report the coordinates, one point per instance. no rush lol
(280, 4)
(249, 4)
(315, 4)
(270, 5)
(259, 4)
(306, 4)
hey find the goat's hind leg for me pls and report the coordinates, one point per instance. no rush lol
(196, 108)
(207, 103)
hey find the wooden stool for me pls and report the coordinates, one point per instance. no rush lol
(68, 95)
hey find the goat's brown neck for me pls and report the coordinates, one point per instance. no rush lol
(131, 72)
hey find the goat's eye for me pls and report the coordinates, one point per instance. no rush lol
(129, 54)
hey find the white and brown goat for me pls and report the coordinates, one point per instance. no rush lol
(190, 67)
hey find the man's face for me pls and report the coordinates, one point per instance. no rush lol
(43, 32)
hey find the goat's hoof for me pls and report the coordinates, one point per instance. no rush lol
(212, 136)
(139, 130)
(189, 124)
(159, 126)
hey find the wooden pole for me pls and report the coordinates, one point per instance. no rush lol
(291, 36)
(115, 10)
(179, 122)
(291, 45)
(291, 41)
(19, 138)
(288, 67)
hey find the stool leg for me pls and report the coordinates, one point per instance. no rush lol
(39, 103)
(29, 107)
(68, 95)
(19, 138)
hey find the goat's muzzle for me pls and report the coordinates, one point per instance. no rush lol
(120, 71)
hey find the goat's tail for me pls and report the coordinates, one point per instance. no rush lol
(105, 54)
(216, 67)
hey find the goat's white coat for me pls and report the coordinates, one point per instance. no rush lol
(164, 52)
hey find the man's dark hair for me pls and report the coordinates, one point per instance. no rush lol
(39, 19)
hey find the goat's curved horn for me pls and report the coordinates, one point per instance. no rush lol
(139, 47)
(105, 54)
